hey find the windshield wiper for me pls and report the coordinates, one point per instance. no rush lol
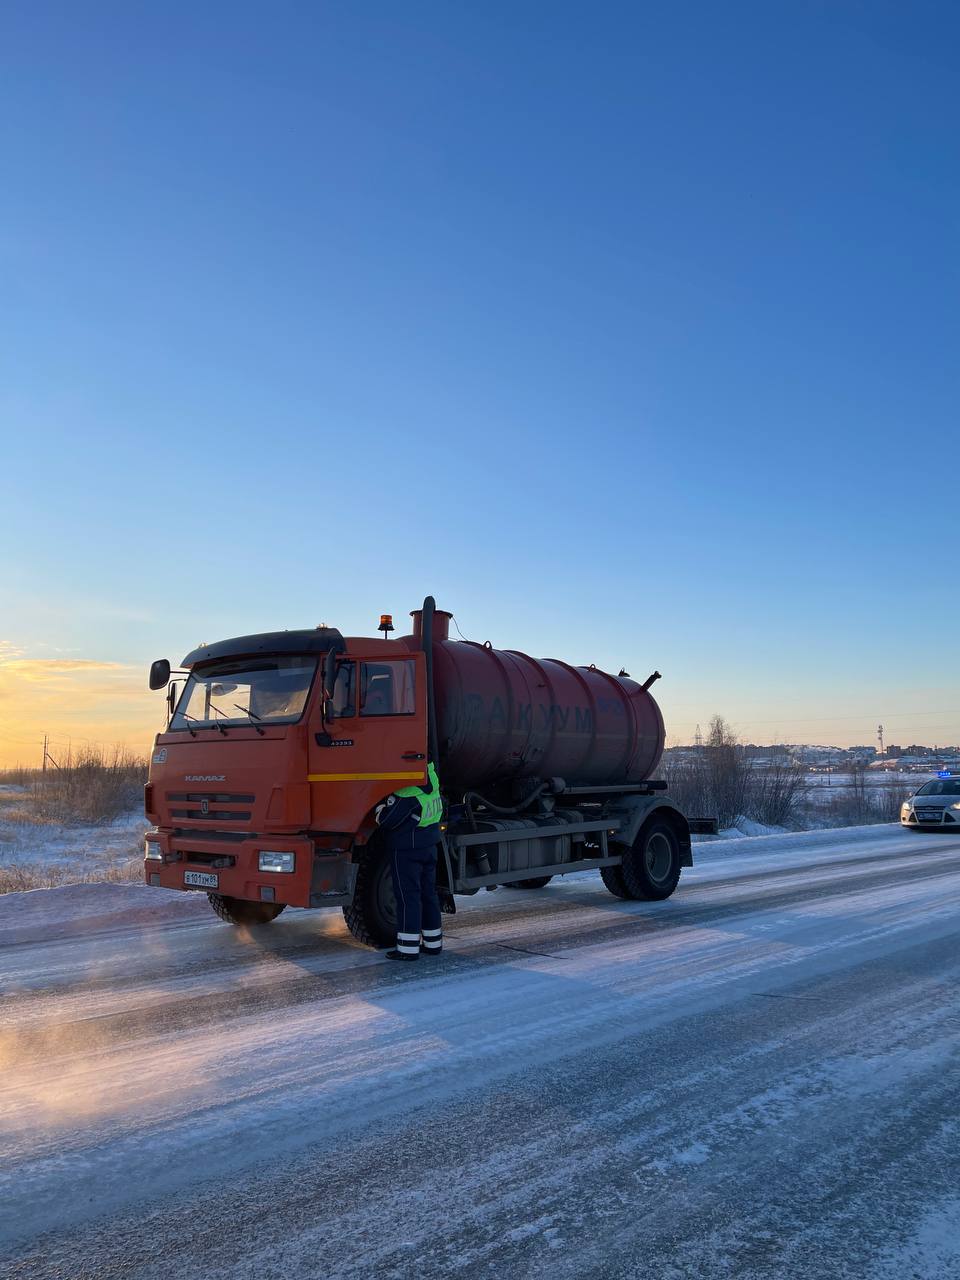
(216, 724)
(253, 716)
(192, 732)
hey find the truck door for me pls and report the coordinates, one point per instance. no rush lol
(379, 734)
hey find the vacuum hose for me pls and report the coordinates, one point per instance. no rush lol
(503, 810)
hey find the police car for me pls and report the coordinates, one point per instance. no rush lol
(935, 805)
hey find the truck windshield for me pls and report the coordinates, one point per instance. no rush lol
(253, 691)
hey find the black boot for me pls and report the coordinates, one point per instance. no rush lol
(394, 954)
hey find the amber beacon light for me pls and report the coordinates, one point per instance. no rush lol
(386, 624)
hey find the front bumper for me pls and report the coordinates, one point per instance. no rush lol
(322, 876)
(930, 819)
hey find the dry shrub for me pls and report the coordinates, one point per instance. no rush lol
(18, 776)
(18, 877)
(888, 797)
(89, 788)
(775, 793)
(718, 782)
(862, 802)
(715, 782)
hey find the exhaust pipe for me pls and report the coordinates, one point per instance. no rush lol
(426, 640)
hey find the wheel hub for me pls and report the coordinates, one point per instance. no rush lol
(658, 856)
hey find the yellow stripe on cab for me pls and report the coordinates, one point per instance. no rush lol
(365, 777)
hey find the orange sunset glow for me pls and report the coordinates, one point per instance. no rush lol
(73, 700)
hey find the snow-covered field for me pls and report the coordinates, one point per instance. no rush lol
(758, 1077)
(88, 847)
(826, 789)
(66, 850)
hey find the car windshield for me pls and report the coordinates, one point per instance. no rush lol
(941, 787)
(253, 691)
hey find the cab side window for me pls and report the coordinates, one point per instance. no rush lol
(387, 688)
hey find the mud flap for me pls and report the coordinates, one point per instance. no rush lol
(332, 882)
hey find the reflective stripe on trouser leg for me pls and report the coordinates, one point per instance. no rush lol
(432, 939)
(408, 944)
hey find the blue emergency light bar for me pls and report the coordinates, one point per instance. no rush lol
(944, 773)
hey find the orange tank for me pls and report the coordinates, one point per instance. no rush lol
(502, 715)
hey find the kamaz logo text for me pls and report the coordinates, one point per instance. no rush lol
(204, 777)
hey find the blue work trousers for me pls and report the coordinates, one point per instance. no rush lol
(418, 907)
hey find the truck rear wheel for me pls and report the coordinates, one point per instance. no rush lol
(651, 869)
(537, 882)
(372, 915)
(240, 911)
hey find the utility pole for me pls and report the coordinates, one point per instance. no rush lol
(47, 757)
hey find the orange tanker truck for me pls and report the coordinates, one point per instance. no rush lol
(279, 747)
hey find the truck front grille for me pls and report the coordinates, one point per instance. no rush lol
(211, 805)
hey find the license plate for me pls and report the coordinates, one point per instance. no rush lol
(201, 879)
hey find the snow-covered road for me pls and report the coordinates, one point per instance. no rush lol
(759, 1077)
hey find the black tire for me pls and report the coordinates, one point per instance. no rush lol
(613, 880)
(651, 869)
(537, 882)
(372, 915)
(241, 911)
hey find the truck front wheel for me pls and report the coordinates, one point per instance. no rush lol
(651, 869)
(240, 911)
(372, 915)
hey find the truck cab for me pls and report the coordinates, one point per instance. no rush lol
(264, 783)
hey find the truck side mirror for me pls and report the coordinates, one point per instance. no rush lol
(329, 680)
(159, 674)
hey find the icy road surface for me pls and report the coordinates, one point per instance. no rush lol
(758, 1077)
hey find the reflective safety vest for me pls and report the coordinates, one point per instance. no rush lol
(431, 803)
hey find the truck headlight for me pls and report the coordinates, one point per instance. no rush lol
(275, 861)
(152, 851)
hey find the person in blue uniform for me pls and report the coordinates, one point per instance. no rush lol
(410, 822)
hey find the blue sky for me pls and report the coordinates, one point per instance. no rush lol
(628, 330)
